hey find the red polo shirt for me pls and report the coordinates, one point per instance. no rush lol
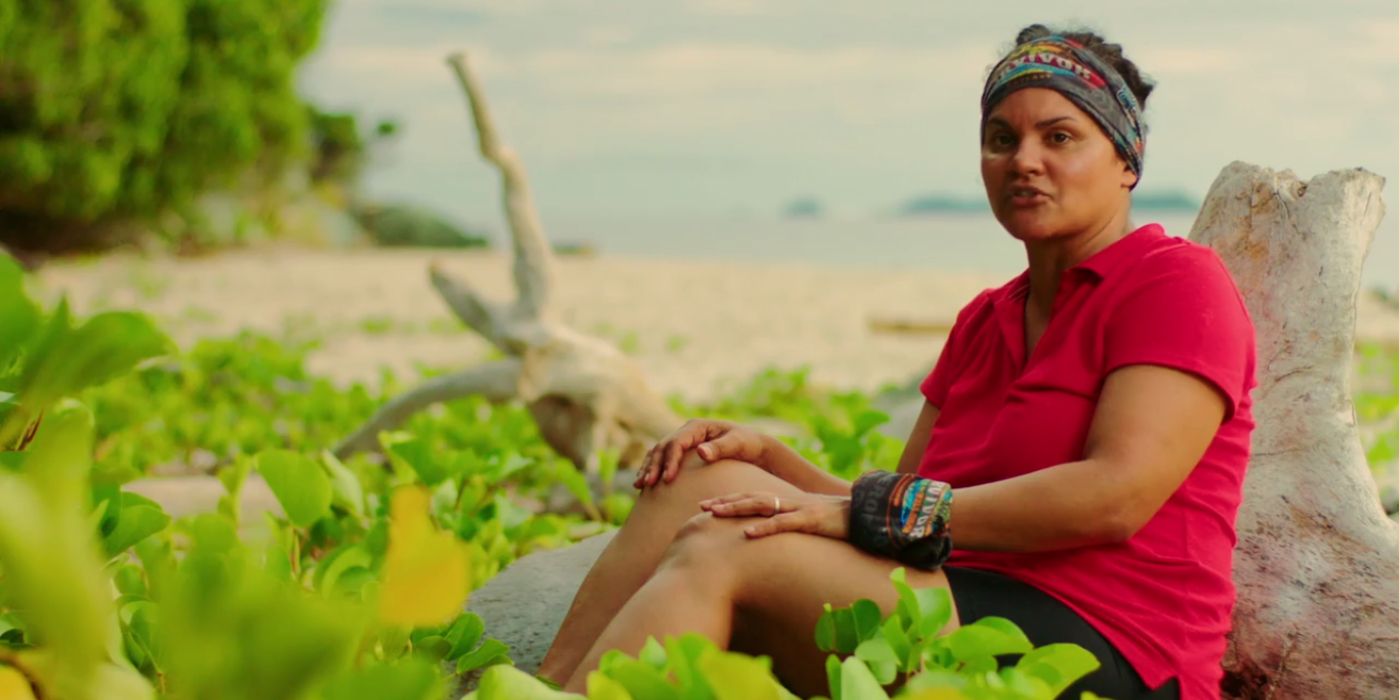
(1164, 597)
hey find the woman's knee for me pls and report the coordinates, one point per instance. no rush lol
(697, 481)
(706, 546)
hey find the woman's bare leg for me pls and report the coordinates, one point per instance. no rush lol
(714, 581)
(631, 558)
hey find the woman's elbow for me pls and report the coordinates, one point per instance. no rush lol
(1122, 521)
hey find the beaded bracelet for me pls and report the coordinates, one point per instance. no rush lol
(903, 517)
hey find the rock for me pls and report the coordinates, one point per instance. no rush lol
(409, 225)
(524, 605)
(1315, 567)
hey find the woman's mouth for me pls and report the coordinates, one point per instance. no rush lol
(1028, 197)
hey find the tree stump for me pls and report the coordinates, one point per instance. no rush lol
(1315, 567)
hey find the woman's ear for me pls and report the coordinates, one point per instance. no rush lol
(1130, 178)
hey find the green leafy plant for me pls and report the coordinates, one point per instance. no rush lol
(906, 648)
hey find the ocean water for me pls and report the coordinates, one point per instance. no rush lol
(971, 242)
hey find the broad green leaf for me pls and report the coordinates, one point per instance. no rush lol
(935, 694)
(857, 683)
(137, 618)
(833, 676)
(869, 419)
(18, 315)
(1020, 684)
(898, 640)
(510, 683)
(825, 633)
(464, 634)
(738, 677)
(576, 484)
(104, 680)
(941, 683)
(1058, 665)
(837, 628)
(491, 651)
(67, 360)
(641, 680)
(879, 656)
(300, 486)
(138, 517)
(865, 615)
(925, 610)
(411, 678)
(233, 477)
(346, 490)
(430, 465)
(334, 566)
(600, 687)
(425, 579)
(53, 572)
(986, 639)
(653, 653)
(683, 656)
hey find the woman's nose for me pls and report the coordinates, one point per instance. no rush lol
(1027, 158)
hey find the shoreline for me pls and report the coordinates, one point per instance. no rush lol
(697, 327)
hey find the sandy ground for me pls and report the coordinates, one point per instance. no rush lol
(696, 327)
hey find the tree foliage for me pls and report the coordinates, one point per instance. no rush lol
(121, 109)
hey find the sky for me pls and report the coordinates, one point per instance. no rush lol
(724, 108)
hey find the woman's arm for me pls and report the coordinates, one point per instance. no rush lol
(788, 465)
(1150, 429)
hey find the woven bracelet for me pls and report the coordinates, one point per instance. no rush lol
(903, 517)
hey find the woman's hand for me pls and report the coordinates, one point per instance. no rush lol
(711, 439)
(814, 514)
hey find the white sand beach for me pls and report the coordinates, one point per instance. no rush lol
(695, 326)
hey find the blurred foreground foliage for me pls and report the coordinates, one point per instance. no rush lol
(355, 590)
(119, 110)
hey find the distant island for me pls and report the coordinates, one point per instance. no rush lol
(924, 205)
(803, 208)
(1165, 200)
(940, 203)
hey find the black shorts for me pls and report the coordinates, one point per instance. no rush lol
(1045, 620)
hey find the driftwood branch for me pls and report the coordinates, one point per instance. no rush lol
(477, 313)
(584, 394)
(533, 258)
(495, 380)
(1315, 567)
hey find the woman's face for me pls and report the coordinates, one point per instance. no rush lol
(1049, 170)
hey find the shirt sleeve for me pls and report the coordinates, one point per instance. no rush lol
(1185, 312)
(934, 387)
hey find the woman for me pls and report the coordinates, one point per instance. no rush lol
(1090, 419)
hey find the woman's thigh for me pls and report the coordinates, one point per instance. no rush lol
(780, 583)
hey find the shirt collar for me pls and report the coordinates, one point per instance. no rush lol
(1104, 262)
(1100, 264)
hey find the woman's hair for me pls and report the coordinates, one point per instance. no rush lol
(1112, 54)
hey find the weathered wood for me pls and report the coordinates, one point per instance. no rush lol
(583, 392)
(1315, 566)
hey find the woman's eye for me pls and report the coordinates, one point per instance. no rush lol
(1060, 137)
(1000, 139)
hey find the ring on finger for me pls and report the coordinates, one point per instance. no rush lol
(777, 505)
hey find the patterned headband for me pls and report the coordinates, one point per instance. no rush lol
(1067, 67)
